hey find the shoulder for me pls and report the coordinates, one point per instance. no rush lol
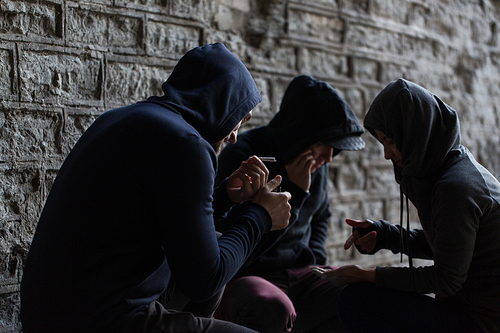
(465, 180)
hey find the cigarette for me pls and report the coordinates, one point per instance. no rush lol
(267, 159)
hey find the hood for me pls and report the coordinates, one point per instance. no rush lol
(316, 112)
(422, 126)
(212, 90)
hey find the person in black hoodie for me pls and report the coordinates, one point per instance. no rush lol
(274, 290)
(458, 203)
(133, 208)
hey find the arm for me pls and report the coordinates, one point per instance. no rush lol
(370, 236)
(455, 220)
(454, 225)
(200, 263)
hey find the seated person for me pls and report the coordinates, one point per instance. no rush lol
(275, 291)
(458, 203)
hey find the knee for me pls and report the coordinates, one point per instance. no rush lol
(262, 307)
(268, 313)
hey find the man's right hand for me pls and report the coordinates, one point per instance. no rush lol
(276, 203)
(367, 242)
(299, 170)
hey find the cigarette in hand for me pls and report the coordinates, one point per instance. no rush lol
(267, 159)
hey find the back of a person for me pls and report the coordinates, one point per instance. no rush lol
(94, 261)
(481, 289)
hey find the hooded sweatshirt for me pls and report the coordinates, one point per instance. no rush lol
(311, 111)
(458, 203)
(132, 205)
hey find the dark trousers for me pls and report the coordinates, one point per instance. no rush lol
(159, 320)
(293, 300)
(176, 313)
(364, 307)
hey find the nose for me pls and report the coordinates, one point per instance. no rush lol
(233, 137)
(388, 153)
(328, 155)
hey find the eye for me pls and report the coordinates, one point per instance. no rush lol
(247, 118)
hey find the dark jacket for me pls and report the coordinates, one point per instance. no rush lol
(131, 206)
(311, 111)
(458, 203)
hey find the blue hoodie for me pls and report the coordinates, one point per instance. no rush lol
(132, 205)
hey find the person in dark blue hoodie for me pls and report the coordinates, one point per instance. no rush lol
(133, 208)
(458, 204)
(275, 291)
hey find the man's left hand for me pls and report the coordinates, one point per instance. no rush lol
(246, 181)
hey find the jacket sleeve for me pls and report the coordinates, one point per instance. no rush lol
(182, 185)
(222, 203)
(389, 238)
(454, 225)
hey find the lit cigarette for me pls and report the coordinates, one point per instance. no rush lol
(267, 159)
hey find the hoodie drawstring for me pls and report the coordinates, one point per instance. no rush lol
(404, 237)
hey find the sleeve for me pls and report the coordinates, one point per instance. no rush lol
(222, 203)
(389, 238)
(271, 238)
(229, 161)
(455, 216)
(182, 184)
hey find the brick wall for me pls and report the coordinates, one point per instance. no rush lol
(62, 63)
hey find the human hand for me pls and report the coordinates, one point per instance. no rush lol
(251, 176)
(276, 203)
(345, 274)
(367, 242)
(299, 170)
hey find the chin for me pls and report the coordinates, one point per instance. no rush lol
(217, 146)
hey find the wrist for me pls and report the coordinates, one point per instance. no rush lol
(369, 274)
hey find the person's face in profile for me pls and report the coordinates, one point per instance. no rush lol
(390, 150)
(231, 137)
(322, 154)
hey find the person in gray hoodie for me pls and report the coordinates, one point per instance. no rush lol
(458, 203)
(275, 290)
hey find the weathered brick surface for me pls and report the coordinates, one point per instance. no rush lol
(63, 63)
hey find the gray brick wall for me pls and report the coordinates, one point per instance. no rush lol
(63, 63)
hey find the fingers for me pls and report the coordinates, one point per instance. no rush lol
(351, 240)
(359, 223)
(320, 271)
(256, 170)
(303, 161)
(274, 183)
(367, 242)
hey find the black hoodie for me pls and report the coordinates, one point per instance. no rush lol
(131, 206)
(458, 203)
(311, 111)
